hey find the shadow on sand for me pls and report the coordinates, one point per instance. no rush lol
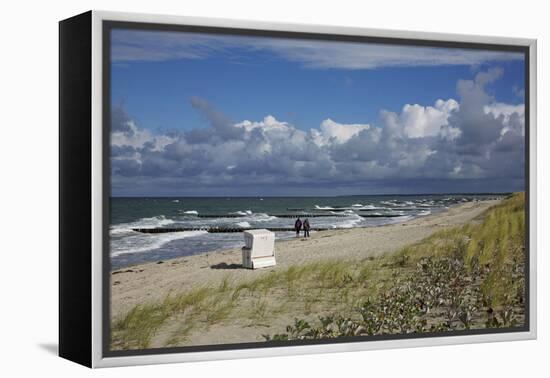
(226, 266)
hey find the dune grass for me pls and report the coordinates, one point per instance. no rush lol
(462, 277)
(306, 289)
(458, 278)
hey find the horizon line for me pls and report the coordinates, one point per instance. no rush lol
(327, 196)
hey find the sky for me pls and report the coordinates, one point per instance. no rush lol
(225, 115)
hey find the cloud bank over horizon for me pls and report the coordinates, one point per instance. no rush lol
(472, 143)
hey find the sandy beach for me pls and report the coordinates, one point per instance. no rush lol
(151, 282)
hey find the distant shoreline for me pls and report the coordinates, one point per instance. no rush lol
(194, 215)
(324, 196)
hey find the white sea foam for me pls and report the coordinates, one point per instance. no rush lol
(262, 217)
(325, 208)
(157, 221)
(342, 212)
(349, 222)
(244, 225)
(368, 207)
(119, 231)
(139, 243)
(124, 228)
(176, 201)
(191, 212)
(371, 207)
(243, 213)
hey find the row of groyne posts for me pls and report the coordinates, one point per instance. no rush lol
(215, 230)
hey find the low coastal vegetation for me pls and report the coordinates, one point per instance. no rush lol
(459, 278)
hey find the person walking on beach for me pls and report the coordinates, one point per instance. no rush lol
(298, 227)
(306, 228)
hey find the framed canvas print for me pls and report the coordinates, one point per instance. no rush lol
(234, 189)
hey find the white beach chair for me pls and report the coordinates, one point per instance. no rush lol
(259, 249)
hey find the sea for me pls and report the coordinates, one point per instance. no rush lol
(129, 247)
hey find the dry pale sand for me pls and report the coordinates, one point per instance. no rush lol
(150, 282)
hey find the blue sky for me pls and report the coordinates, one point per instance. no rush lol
(169, 84)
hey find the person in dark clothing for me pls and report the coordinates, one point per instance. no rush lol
(306, 228)
(298, 227)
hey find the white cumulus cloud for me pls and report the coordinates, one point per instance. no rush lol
(422, 121)
(331, 132)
